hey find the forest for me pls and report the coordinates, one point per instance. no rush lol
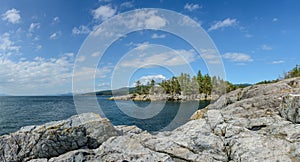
(184, 84)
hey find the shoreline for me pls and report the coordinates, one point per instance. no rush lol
(166, 97)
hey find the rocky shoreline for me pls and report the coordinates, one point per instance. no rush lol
(166, 97)
(256, 123)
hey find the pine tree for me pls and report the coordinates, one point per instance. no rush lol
(152, 84)
(138, 87)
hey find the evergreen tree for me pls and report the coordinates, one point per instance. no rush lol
(152, 84)
(200, 82)
(138, 87)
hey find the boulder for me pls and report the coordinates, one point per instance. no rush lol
(290, 108)
(55, 138)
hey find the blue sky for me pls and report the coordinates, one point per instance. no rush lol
(40, 41)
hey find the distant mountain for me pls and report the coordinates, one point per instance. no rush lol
(66, 94)
(116, 92)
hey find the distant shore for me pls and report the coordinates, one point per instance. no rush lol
(166, 97)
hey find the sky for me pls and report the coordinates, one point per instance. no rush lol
(42, 42)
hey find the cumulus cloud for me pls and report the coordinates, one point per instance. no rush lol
(140, 19)
(156, 36)
(7, 46)
(222, 24)
(38, 76)
(147, 79)
(278, 62)
(104, 12)
(82, 29)
(126, 5)
(34, 26)
(55, 20)
(210, 56)
(238, 57)
(171, 58)
(85, 76)
(55, 35)
(38, 47)
(191, 7)
(145, 19)
(266, 47)
(141, 46)
(187, 21)
(13, 16)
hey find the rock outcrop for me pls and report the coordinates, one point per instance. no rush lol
(257, 123)
(56, 138)
(290, 108)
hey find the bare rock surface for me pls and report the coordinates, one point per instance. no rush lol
(256, 123)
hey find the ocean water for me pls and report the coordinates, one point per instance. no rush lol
(16, 112)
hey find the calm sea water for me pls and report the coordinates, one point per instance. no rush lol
(16, 112)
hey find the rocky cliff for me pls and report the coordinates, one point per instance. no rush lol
(257, 123)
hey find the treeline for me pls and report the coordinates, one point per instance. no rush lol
(187, 85)
(295, 72)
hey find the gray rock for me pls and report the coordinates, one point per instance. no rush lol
(193, 141)
(290, 108)
(55, 138)
(128, 148)
(77, 156)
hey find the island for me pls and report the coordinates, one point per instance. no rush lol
(180, 88)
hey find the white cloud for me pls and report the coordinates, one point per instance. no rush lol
(145, 19)
(82, 29)
(69, 54)
(95, 54)
(104, 12)
(105, 1)
(141, 46)
(187, 21)
(7, 46)
(266, 47)
(210, 56)
(248, 35)
(275, 19)
(55, 20)
(222, 24)
(237, 57)
(84, 75)
(156, 36)
(191, 7)
(126, 5)
(171, 58)
(81, 58)
(38, 47)
(278, 62)
(55, 35)
(38, 76)
(36, 38)
(147, 79)
(140, 19)
(12, 16)
(34, 26)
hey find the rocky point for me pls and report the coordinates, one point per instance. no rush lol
(256, 123)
